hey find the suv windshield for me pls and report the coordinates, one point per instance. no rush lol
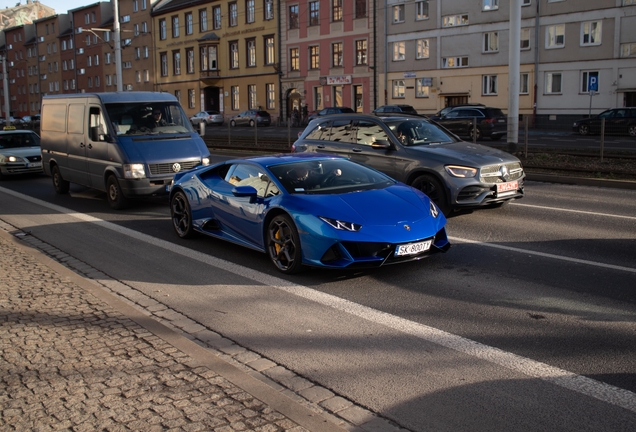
(419, 132)
(147, 118)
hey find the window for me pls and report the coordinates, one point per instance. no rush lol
(146, 75)
(233, 14)
(251, 96)
(235, 97)
(628, 50)
(146, 52)
(270, 90)
(314, 57)
(135, 5)
(337, 96)
(203, 20)
(188, 23)
(555, 36)
(523, 83)
(216, 13)
(162, 29)
(136, 29)
(314, 13)
(109, 80)
(591, 33)
(336, 10)
(361, 9)
(317, 98)
(361, 52)
(526, 2)
(358, 98)
(269, 50)
(208, 58)
(293, 17)
(489, 85)
(629, 2)
(398, 14)
(399, 51)
(138, 76)
(127, 65)
(249, 11)
(175, 26)
(525, 39)
(234, 55)
(422, 49)
(490, 5)
(143, 4)
(164, 63)
(454, 62)
(294, 59)
(96, 81)
(491, 42)
(137, 53)
(269, 9)
(455, 20)
(89, 62)
(422, 87)
(251, 52)
(189, 60)
(421, 10)
(96, 59)
(553, 83)
(398, 88)
(585, 80)
(336, 54)
(191, 98)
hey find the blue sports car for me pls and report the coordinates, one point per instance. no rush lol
(308, 209)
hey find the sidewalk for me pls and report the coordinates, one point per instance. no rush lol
(75, 357)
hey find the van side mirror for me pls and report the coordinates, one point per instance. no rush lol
(95, 134)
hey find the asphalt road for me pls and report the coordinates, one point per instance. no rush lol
(528, 323)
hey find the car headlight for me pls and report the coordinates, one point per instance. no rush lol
(13, 159)
(461, 171)
(205, 161)
(341, 225)
(574, 125)
(134, 171)
(434, 209)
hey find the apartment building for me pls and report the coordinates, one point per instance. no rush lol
(327, 51)
(438, 53)
(17, 68)
(137, 53)
(218, 55)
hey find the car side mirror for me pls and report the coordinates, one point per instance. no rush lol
(244, 191)
(381, 144)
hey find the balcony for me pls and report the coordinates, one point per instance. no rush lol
(210, 74)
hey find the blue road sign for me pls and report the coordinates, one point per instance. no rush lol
(592, 83)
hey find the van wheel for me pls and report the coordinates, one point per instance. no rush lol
(434, 190)
(60, 185)
(116, 198)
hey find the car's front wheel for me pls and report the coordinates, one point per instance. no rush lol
(181, 215)
(584, 129)
(60, 185)
(434, 190)
(116, 198)
(283, 244)
(232, 123)
(631, 130)
(251, 123)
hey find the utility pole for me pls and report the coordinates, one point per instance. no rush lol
(5, 84)
(117, 40)
(514, 61)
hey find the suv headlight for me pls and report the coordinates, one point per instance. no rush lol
(461, 171)
(134, 171)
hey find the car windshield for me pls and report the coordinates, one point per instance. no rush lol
(16, 140)
(329, 176)
(419, 132)
(146, 118)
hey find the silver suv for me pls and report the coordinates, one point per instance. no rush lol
(453, 173)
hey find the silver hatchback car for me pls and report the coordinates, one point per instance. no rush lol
(412, 149)
(20, 153)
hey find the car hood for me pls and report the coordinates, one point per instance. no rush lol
(474, 154)
(399, 204)
(21, 151)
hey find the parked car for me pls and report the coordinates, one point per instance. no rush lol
(308, 209)
(210, 117)
(617, 121)
(19, 153)
(446, 110)
(31, 122)
(251, 117)
(13, 121)
(400, 108)
(491, 122)
(416, 151)
(330, 110)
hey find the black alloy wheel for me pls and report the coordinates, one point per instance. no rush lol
(434, 189)
(181, 215)
(283, 244)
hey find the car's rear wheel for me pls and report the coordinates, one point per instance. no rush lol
(283, 244)
(251, 123)
(434, 189)
(181, 215)
(60, 185)
(474, 131)
(232, 123)
(584, 129)
(631, 130)
(116, 198)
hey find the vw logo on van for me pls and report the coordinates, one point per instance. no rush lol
(176, 167)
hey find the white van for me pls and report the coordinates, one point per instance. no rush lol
(128, 144)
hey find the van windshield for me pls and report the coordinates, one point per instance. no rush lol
(145, 118)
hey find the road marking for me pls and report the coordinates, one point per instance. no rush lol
(575, 211)
(560, 377)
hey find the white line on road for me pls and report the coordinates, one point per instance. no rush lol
(578, 383)
(575, 211)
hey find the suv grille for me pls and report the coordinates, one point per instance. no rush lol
(498, 173)
(167, 168)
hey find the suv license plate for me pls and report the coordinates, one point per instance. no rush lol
(413, 248)
(507, 187)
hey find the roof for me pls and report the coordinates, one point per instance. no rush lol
(120, 97)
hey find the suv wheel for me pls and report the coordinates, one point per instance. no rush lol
(434, 190)
(631, 130)
(584, 129)
(474, 131)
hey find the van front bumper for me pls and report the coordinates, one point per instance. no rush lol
(144, 187)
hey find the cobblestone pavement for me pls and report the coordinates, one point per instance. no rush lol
(78, 356)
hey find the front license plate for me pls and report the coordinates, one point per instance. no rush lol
(413, 248)
(507, 187)
(34, 165)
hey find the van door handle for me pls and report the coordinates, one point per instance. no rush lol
(82, 145)
(90, 146)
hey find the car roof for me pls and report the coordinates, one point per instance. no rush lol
(16, 131)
